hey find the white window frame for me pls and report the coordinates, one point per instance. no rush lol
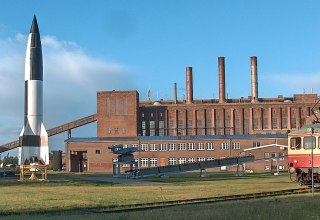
(235, 145)
(182, 146)
(201, 159)
(163, 147)
(144, 162)
(191, 146)
(191, 160)
(172, 161)
(172, 147)
(224, 146)
(200, 146)
(210, 146)
(153, 162)
(144, 147)
(182, 160)
(153, 147)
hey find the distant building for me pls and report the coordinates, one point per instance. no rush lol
(184, 131)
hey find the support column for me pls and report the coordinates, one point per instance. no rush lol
(289, 118)
(232, 127)
(270, 124)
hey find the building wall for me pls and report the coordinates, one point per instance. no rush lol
(117, 113)
(203, 123)
(169, 152)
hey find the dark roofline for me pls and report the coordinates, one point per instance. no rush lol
(175, 138)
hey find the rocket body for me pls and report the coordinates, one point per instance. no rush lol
(33, 137)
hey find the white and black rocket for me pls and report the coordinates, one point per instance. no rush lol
(33, 137)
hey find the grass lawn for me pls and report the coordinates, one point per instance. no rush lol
(70, 192)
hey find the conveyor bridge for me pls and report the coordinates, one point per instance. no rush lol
(158, 171)
(54, 131)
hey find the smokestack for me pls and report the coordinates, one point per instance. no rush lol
(175, 94)
(222, 85)
(254, 80)
(189, 85)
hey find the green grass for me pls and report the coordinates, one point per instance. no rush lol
(69, 192)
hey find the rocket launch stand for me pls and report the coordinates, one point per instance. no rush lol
(32, 170)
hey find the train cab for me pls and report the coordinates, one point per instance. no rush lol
(304, 151)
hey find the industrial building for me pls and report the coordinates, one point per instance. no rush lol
(184, 131)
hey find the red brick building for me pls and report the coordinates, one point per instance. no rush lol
(183, 131)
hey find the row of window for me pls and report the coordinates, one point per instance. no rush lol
(153, 162)
(184, 146)
(274, 156)
(307, 143)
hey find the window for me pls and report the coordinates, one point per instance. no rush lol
(295, 143)
(210, 158)
(281, 156)
(284, 123)
(152, 128)
(144, 147)
(108, 107)
(200, 146)
(309, 142)
(170, 127)
(116, 106)
(208, 127)
(143, 125)
(255, 124)
(172, 161)
(153, 162)
(191, 146)
(189, 127)
(199, 127)
(153, 147)
(267, 167)
(135, 145)
(109, 130)
(201, 159)
(210, 146)
(274, 123)
(172, 146)
(191, 160)
(281, 167)
(274, 156)
(161, 128)
(97, 151)
(163, 147)
(256, 144)
(144, 162)
(116, 130)
(125, 106)
(182, 160)
(246, 126)
(236, 145)
(265, 123)
(267, 156)
(180, 127)
(182, 146)
(224, 146)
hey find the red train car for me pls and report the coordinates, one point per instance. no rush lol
(304, 154)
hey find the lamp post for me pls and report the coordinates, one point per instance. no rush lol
(312, 180)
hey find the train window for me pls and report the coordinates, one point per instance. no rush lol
(295, 143)
(309, 142)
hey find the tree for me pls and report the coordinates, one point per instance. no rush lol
(10, 160)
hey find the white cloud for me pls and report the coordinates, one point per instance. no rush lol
(71, 79)
(295, 83)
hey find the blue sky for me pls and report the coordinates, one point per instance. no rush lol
(140, 44)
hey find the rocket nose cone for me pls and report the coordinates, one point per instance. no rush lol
(34, 27)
